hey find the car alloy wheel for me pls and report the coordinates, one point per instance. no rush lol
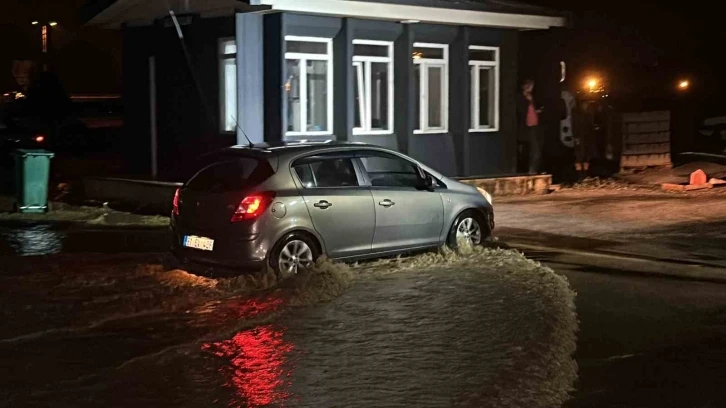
(468, 231)
(294, 255)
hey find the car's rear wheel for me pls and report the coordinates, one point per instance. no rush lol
(468, 229)
(293, 253)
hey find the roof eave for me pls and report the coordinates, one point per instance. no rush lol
(400, 12)
(115, 13)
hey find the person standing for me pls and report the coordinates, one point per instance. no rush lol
(583, 128)
(529, 125)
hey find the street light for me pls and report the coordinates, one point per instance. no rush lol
(684, 84)
(44, 33)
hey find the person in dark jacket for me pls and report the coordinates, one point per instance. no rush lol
(528, 116)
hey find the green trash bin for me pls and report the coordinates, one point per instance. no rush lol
(32, 170)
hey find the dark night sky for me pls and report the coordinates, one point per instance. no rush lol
(645, 44)
(631, 44)
(87, 60)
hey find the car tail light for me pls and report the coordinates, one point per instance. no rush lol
(39, 138)
(175, 203)
(252, 206)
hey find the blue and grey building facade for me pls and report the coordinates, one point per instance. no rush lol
(434, 79)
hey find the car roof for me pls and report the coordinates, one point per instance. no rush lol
(287, 148)
(290, 150)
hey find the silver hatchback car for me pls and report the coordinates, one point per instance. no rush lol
(284, 206)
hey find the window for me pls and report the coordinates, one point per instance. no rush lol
(386, 170)
(484, 65)
(309, 86)
(231, 175)
(431, 77)
(373, 86)
(228, 85)
(319, 171)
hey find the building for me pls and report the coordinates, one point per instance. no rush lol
(435, 79)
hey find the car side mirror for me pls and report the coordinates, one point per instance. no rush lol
(425, 181)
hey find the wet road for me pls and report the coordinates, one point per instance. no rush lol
(425, 331)
(48, 239)
(644, 340)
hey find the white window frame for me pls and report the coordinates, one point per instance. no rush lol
(475, 67)
(303, 58)
(362, 67)
(425, 64)
(226, 59)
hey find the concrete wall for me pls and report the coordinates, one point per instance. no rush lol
(148, 196)
(507, 186)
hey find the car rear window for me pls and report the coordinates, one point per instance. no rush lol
(231, 175)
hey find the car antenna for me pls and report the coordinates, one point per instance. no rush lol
(243, 132)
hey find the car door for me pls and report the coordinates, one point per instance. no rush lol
(340, 206)
(406, 217)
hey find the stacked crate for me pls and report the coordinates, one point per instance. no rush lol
(646, 140)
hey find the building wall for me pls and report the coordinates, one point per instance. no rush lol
(456, 152)
(496, 152)
(187, 92)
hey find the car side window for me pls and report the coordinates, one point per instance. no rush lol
(305, 174)
(389, 171)
(326, 172)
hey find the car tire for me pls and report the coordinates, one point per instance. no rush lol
(291, 253)
(465, 226)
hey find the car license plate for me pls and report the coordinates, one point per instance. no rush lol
(193, 241)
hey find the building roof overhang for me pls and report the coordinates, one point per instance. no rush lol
(482, 13)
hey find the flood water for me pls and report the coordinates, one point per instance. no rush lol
(105, 332)
(47, 239)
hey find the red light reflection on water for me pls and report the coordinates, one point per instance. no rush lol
(254, 307)
(256, 371)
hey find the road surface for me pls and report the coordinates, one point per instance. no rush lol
(644, 340)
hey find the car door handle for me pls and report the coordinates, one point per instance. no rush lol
(322, 204)
(386, 203)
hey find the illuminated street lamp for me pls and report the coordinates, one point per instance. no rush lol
(684, 85)
(44, 32)
(594, 86)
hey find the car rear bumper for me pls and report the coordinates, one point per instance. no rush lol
(246, 252)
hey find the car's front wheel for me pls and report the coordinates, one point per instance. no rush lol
(293, 253)
(468, 229)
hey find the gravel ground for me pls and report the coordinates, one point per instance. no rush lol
(479, 328)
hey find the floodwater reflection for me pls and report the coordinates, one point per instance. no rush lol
(257, 370)
(33, 240)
